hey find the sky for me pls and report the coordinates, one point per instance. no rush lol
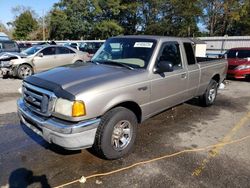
(38, 6)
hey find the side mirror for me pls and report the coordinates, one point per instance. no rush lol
(40, 54)
(164, 66)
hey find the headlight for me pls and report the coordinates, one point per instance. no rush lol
(242, 67)
(70, 108)
(6, 64)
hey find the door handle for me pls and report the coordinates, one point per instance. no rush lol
(184, 75)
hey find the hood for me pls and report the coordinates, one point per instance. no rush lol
(237, 61)
(75, 79)
(11, 55)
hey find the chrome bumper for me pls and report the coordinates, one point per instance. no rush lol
(69, 135)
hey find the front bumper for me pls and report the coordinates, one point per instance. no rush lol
(69, 135)
(238, 74)
(6, 71)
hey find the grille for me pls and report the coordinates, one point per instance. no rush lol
(38, 100)
(232, 67)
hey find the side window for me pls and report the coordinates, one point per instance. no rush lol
(71, 51)
(171, 53)
(9, 45)
(189, 53)
(244, 53)
(63, 50)
(49, 51)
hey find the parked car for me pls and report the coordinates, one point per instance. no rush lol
(8, 46)
(74, 45)
(39, 58)
(130, 79)
(90, 47)
(3, 36)
(24, 45)
(238, 63)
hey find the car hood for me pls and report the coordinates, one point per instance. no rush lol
(68, 81)
(10, 55)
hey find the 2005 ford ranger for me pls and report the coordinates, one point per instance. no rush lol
(100, 103)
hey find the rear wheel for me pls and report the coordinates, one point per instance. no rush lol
(24, 71)
(208, 98)
(78, 62)
(116, 133)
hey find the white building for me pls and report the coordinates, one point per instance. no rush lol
(219, 45)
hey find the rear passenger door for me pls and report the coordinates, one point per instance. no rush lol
(169, 88)
(64, 56)
(193, 70)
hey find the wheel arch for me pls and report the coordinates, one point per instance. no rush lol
(131, 105)
(216, 77)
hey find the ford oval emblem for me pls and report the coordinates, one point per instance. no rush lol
(30, 99)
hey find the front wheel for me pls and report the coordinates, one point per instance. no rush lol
(78, 62)
(24, 71)
(208, 98)
(116, 133)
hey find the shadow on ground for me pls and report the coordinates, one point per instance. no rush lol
(22, 178)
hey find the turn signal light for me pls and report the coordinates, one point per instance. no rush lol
(78, 109)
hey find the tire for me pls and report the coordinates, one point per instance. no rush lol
(208, 98)
(78, 62)
(24, 71)
(116, 125)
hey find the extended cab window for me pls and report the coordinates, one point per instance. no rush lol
(189, 53)
(171, 53)
(49, 51)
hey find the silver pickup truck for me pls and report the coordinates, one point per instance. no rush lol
(100, 103)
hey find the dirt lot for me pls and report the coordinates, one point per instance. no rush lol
(27, 160)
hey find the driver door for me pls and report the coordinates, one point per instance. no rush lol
(169, 88)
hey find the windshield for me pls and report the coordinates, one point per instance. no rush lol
(238, 54)
(31, 50)
(135, 52)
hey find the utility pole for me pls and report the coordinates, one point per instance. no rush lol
(43, 27)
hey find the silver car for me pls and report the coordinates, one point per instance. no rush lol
(40, 58)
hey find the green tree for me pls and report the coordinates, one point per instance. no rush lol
(59, 25)
(89, 19)
(171, 17)
(221, 16)
(24, 24)
(72, 19)
(241, 26)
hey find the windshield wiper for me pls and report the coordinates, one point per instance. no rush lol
(119, 64)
